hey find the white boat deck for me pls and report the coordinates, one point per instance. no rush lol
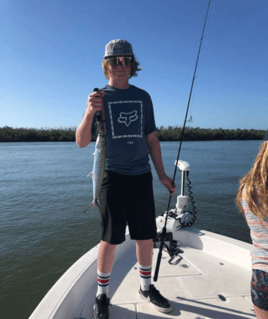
(193, 288)
(211, 280)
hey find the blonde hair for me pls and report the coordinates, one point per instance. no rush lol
(256, 180)
(134, 68)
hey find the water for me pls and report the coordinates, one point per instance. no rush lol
(44, 190)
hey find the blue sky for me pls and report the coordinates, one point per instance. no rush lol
(51, 54)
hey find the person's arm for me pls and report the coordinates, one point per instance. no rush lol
(155, 153)
(83, 132)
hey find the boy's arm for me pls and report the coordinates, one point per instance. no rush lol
(83, 132)
(155, 153)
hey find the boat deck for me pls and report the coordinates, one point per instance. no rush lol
(210, 280)
(200, 286)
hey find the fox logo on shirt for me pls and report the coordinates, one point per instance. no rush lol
(127, 118)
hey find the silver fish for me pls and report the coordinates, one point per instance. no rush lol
(98, 171)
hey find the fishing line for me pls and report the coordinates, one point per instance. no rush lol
(175, 171)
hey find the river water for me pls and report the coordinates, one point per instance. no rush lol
(44, 189)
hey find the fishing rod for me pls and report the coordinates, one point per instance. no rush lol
(175, 171)
(100, 115)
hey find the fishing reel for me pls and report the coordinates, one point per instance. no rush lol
(170, 246)
(179, 217)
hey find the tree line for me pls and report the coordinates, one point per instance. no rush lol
(208, 134)
(9, 134)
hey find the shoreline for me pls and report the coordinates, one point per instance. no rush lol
(171, 134)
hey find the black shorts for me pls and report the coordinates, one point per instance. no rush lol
(127, 200)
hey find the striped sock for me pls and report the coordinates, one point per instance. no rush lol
(145, 277)
(103, 283)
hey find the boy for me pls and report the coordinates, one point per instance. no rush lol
(127, 192)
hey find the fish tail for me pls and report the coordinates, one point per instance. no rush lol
(90, 205)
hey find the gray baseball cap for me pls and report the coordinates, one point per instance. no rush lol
(118, 48)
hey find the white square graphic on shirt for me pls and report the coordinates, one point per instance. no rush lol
(126, 119)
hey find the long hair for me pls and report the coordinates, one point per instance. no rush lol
(134, 68)
(256, 181)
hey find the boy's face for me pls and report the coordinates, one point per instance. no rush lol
(119, 68)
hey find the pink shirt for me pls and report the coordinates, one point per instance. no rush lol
(258, 233)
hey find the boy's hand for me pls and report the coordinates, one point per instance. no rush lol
(95, 102)
(167, 182)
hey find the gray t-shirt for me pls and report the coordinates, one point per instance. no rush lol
(129, 118)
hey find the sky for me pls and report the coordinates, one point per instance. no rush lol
(51, 53)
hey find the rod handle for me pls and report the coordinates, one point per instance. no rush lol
(98, 114)
(160, 254)
(157, 265)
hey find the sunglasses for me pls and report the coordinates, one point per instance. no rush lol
(125, 61)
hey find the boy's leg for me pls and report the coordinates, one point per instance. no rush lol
(148, 291)
(113, 233)
(144, 250)
(105, 259)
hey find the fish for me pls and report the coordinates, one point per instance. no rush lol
(98, 172)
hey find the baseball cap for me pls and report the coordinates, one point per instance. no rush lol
(118, 48)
